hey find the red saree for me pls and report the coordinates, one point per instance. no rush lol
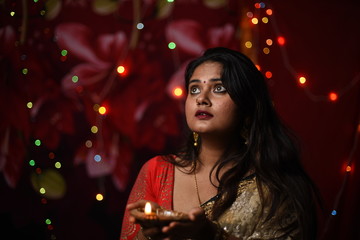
(155, 183)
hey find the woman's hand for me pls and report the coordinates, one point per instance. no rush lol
(199, 227)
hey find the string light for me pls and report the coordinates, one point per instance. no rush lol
(32, 162)
(281, 40)
(269, 42)
(12, 13)
(75, 79)
(140, 26)
(265, 20)
(57, 165)
(178, 92)
(268, 74)
(88, 143)
(302, 80)
(172, 45)
(254, 20)
(24, 71)
(29, 105)
(120, 69)
(99, 197)
(266, 50)
(248, 44)
(269, 12)
(97, 158)
(333, 96)
(102, 110)
(94, 129)
(348, 169)
(37, 142)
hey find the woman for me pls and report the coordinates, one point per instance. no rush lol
(239, 176)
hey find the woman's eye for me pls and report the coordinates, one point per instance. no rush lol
(194, 90)
(219, 89)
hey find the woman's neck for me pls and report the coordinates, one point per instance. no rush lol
(212, 148)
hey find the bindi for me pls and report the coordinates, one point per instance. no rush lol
(204, 81)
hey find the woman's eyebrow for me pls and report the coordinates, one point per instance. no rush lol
(211, 80)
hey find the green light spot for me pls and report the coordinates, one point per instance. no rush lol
(75, 79)
(35, 1)
(29, 105)
(58, 165)
(48, 221)
(12, 13)
(25, 71)
(42, 190)
(170, 1)
(37, 142)
(32, 163)
(64, 52)
(172, 45)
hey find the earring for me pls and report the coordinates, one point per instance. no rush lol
(196, 137)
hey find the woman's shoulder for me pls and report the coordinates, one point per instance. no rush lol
(159, 162)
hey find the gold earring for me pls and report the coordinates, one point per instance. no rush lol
(196, 137)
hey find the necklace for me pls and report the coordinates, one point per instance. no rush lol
(197, 188)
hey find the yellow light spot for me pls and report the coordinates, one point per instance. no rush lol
(102, 110)
(12, 13)
(265, 20)
(58, 165)
(29, 105)
(254, 20)
(266, 50)
(42, 190)
(302, 80)
(178, 92)
(120, 69)
(94, 129)
(248, 44)
(99, 197)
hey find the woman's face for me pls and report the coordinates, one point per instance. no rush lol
(208, 106)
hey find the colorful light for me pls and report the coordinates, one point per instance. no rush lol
(57, 165)
(269, 12)
(64, 52)
(42, 190)
(99, 197)
(94, 129)
(265, 20)
(29, 105)
(268, 74)
(88, 143)
(37, 142)
(266, 50)
(172, 45)
(120, 69)
(32, 163)
(269, 42)
(12, 13)
(249, 14)
(281, 40)
(97, 158)
(51, 155)
(334, 212)
(258, 67)
(178, 92)
(75, 79)
(24, 71)
(254, 20)
(333, 96)
(48, 221)
(140, 26)
(102, 110)
(348, 169)
(248, 44)
(302, 80)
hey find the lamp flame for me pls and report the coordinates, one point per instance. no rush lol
(147, 208)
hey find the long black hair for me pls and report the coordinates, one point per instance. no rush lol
(262, 144)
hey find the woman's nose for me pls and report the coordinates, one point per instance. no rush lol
(203, 99)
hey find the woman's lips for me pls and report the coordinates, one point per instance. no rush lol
(203, 115)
